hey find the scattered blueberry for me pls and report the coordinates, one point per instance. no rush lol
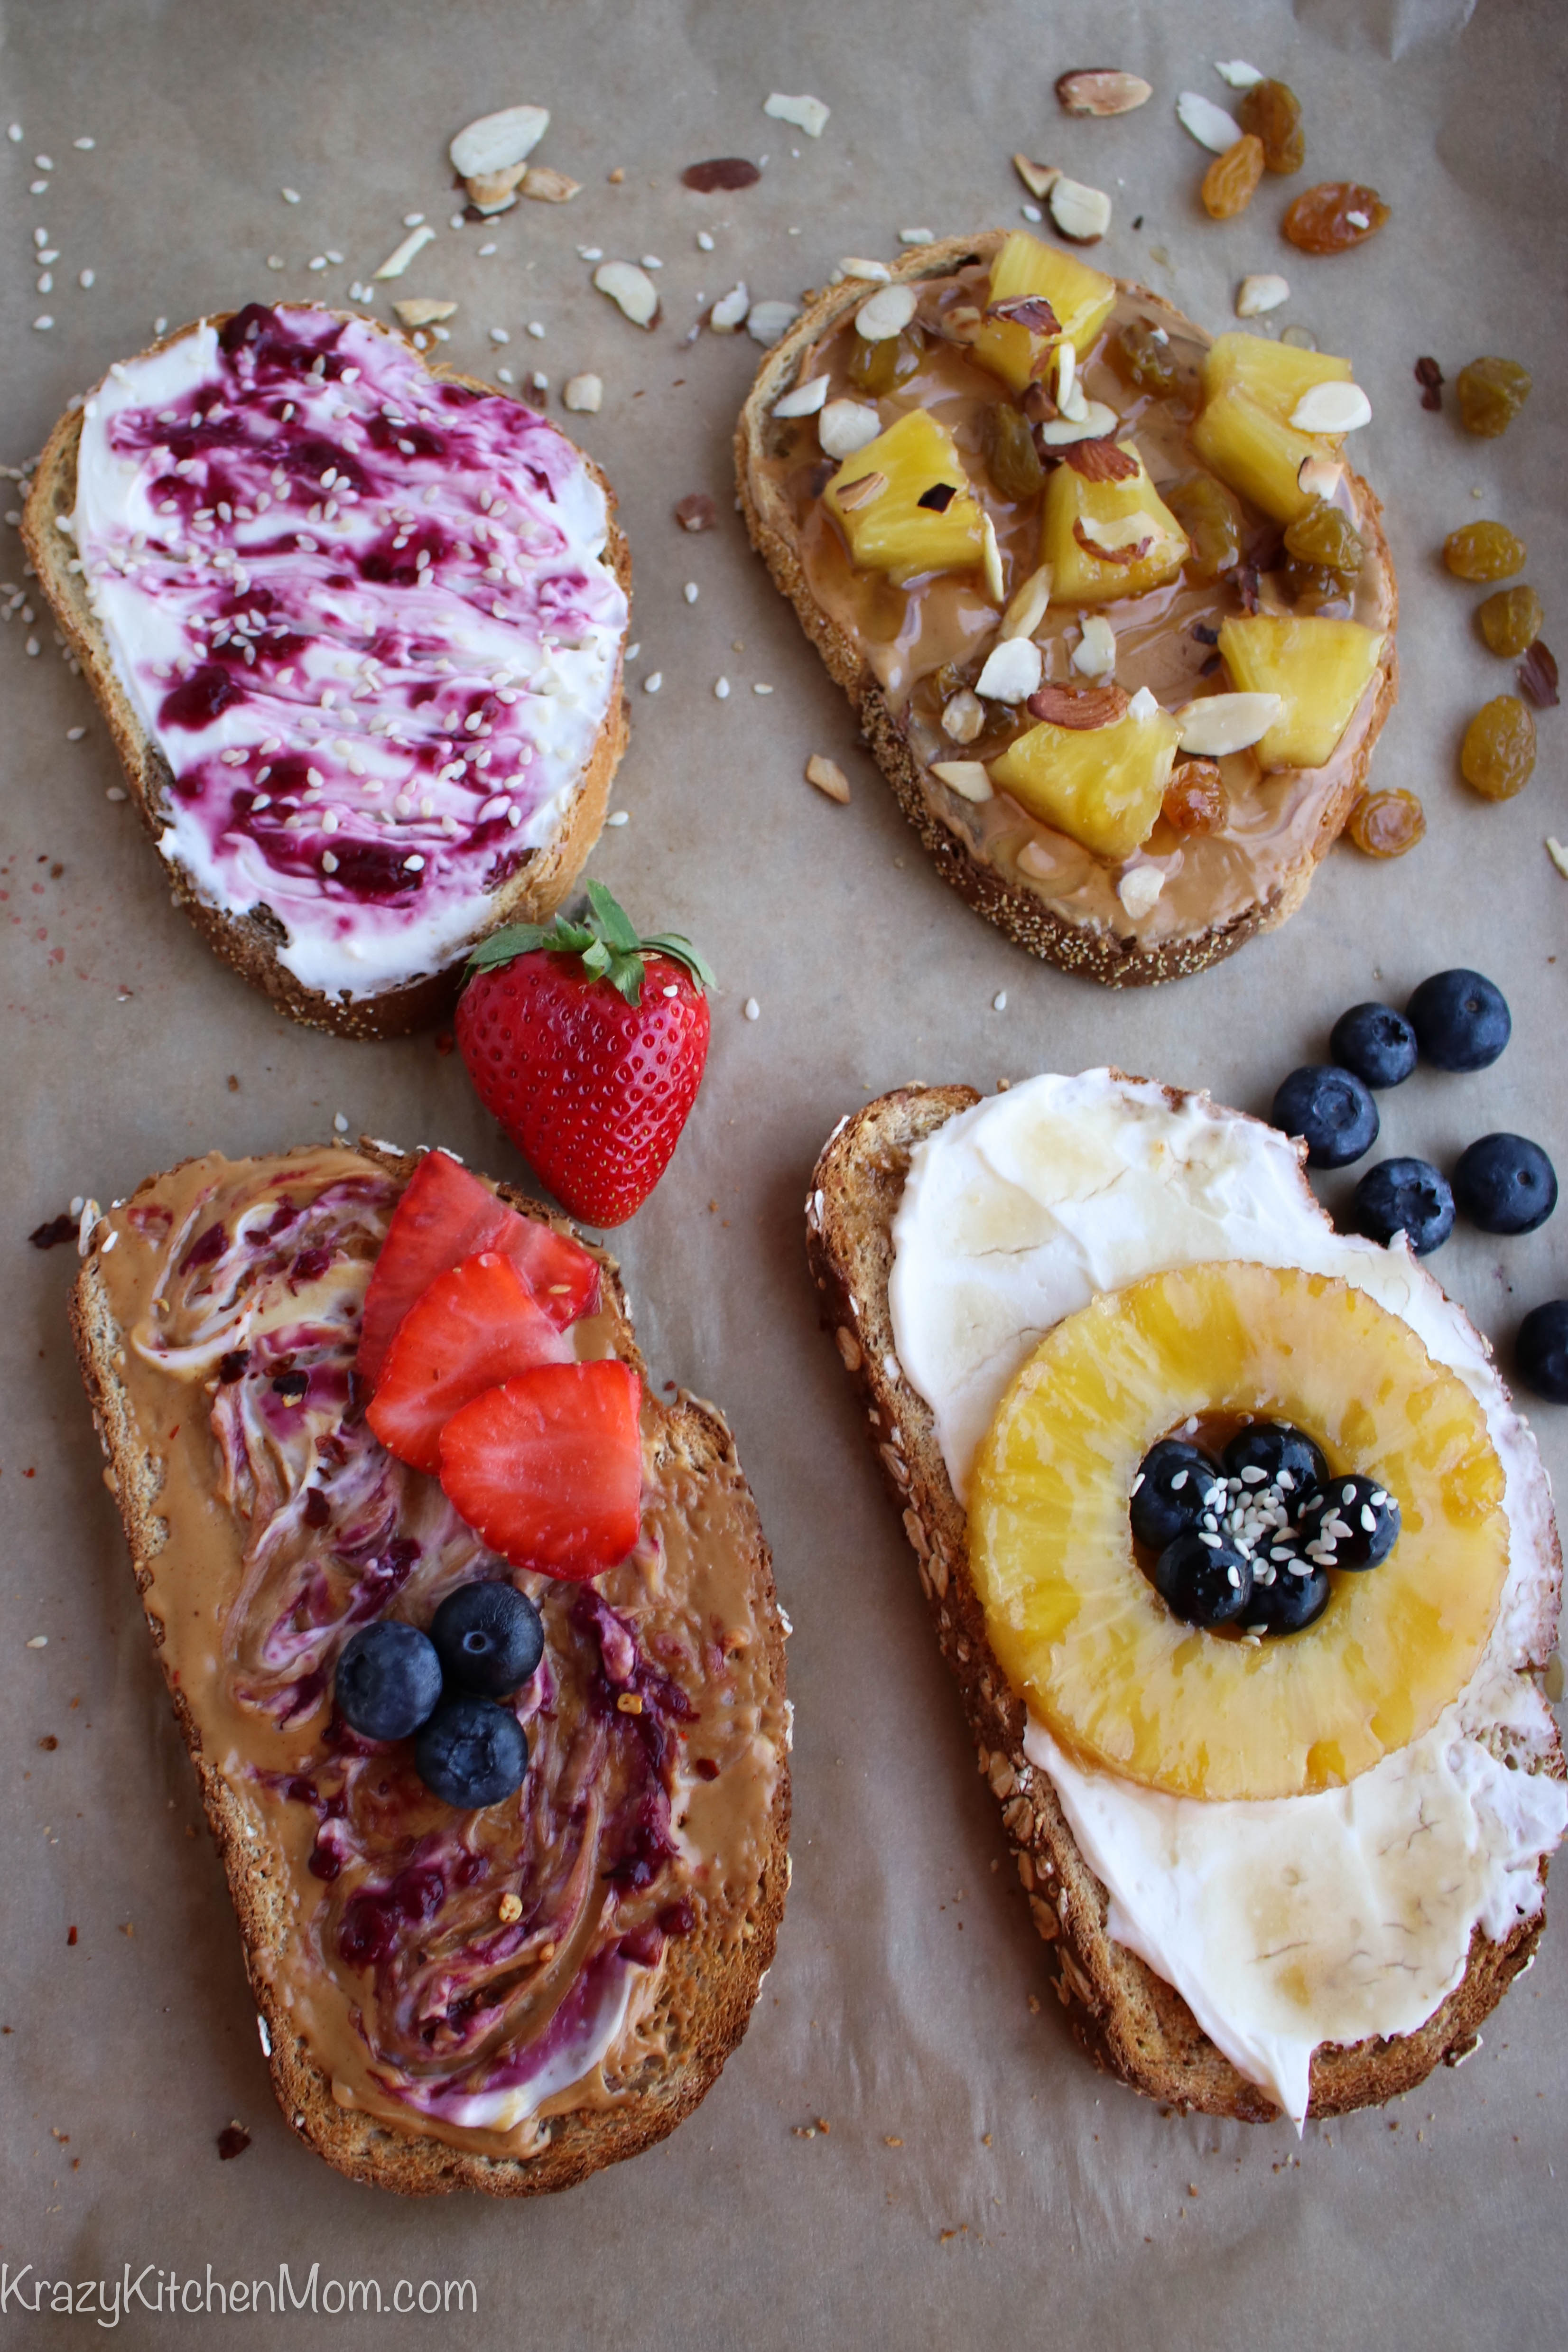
(1542, 1350)
(1289, 1603)
(1334, 1111)
(1204, 1583)
(389, 1678)
(1460, 1019)
(1409, 1197)
(471, 1753)
(1353, 1523)
(1375, 1044)
(489, 1638)
(1273, 1454)
(1168, 1492)
(1505, 1184)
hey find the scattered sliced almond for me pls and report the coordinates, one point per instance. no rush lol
(991, 557)
(1209, 124)
(1095, 653)
(875, 273)
(730, 311)
(496, 142)
(1103, 90)
(1558, 854)
(1080, 707)
(846, 426)
(1238, 73)
(768, 322)
(1029, 310)
(546, 187)
(886, 313)
(963, 716)
(1127, 540)
(1027, 607)
(1036, 177)
(630, 289)
(1063, 372)
(1219, 723)
(493, 191)
(805, 400)
(1265, 291)
(1082, 215)
(422, 310)
(1096, 421)
(967, 778)
(1332, 408)
(1139, 889)
(862, 492)
(1142, 706)
(1074, 402)
(828, 777)
(807, 114)
(1319, 478)
(585, 393)
(397, 262)
(1012, 672)
(1102, 461)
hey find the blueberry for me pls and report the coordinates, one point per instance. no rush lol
(1204, 1583)
(489, 1638)
(1353, 1523)
(1375, 1044)
(1460, 1019)
(1331, 1110)
(1505, 1184)
(471, 1753)
(1409, 1197)
(1168, 1492)
(1542, 1350)
(1280, 1451)
(1289, 1603)
(389, 1678)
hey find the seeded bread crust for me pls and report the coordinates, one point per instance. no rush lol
(704, 1997)
(1130, 2021)
(249, 942)
(1025, 918)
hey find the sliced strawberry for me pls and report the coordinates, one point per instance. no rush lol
(447, 1215)
(473, 1328)
(547, 1468)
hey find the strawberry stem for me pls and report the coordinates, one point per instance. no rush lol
(605, 938)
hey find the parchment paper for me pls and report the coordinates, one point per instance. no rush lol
(979, 2183)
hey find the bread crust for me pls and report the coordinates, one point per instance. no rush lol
(249, 942)
(706, 1993)
(1130, 2021)
(1025, 918)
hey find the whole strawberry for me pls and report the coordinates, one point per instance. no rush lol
(587, 1042)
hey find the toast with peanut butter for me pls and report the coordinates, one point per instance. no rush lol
(1114, 614)
(509, 1931)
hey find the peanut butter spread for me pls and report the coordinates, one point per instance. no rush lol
(920, 640)
(656, 1723)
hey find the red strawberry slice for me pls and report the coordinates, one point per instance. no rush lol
(547, 1468)
(447, 1215)
(473, 1328)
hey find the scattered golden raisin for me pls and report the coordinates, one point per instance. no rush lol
(1484, 551)
(1325, 535)
(1194, 797)
(1231, 181)
(1272, 112)
(1011, 457)
(1332, 216)
(1310, 586)
(1492, 393)
(880, 368)
(1510, 621)
(1497, 758)
(1212, 521)
(1385, 825)
(1141, 359)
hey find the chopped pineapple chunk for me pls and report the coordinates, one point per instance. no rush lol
(1101, 785)
(1112, 515)
(1081, 296)
(1319, 668)
(887, 527)
(1250, 388)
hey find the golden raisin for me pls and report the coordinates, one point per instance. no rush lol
(1141, 359)
(880, 368)
(1325, 535)
(1011, 457)
(1212, 521)
(1231, 181)
(1194, 797)
(1484, 550)
(1310, 586)
(1332, 216)
(1385, 825)
(1498, 755)
(1272, 112)
(1510, 621)
(1492, 393)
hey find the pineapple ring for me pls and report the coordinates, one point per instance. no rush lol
(1082, 1632)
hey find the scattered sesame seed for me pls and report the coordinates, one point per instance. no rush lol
(1032, 212)
(917, 236)
(536, 329)
(499, 335)
(653, 681)
(340, 1122)
(619, 816)
(43, 323)
(1000, 1004)
(758, 688)
(721, 690)
(705, 242)
(328, 862)
(752, 1009)
(75, 734)
(13, 133)
(414, 220)
(690, 591)
(116, 793)
(85, 144)
(32, 647)
(38, 187)
(290, 196)
(39, 1641)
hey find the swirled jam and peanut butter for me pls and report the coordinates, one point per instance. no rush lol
(462, 1975)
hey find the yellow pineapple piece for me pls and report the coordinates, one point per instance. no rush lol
(1319, 668)
(1082, 298)
(1100, 785)
(1250, 388)
(889, 529)
(1082, 1632)
(1113, 512)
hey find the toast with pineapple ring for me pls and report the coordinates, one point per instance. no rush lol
(1055, 448)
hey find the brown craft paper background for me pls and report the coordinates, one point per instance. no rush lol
(980, 2184)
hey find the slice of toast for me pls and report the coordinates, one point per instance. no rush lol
(1130, 2021)
(249, 941)
(1104, 952)
(702, 2000)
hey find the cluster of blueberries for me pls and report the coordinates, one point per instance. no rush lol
(1501, 1183)
(1250, 1538)
(442, 1689)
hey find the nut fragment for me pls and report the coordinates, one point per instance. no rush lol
(846, 426)
(1238, 73)
(1126, 541)
(967, 778)
(872, 273)
(1013, 671)
(1096, 421)
(493, 191)
(807, 114)
(510, 1908)
(549, 187)
(1209, 124)
(696, 512)
(422, 310)
(1082, 215)
(1036, 177)
(398, 260)
(1095, 655)
(1101, 460)
(963, 716)
(1332, 407)
(768, 322)
(1319, 478)
(862, 492)
(991, 556)
(1219, 723)
(1080, 707)
(830, 779)
(1140, 888)
(1264, 291)
(630, 289)
(496, 142)
(849, 1348)
(1101, 89)
(585, 393)
(886, 314)
(805, 400)
(1027, 607)
(730, 311)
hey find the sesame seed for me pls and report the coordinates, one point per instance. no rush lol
(616, 816)
(44, 323)
(721, 690)
(328, 862)
(1000, 1004)
(1205, 1537)
(690, 591)
(290, 196)
(1178, 1482)
(653, 681)
(752, 1009)
(340, 1122)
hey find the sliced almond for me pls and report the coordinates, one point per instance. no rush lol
(1096, 421)
(422, 310)
(397, 262)
(493, 191)
(1095, 653)
(1080, 707)
(991, 558)
(829, 778)
(886, 314)
(1083, 215)
(768, 322)
(1029, 310)
(873, 273)
(496, 142)
(963, 716)
(1332, 407)
(730, 311)
(1238, 73)
(630, 289)
(546, 187)
(1012, 672)
(1265, 291)
(808, 114)
(846, 426)
(1074, 402)
(1558, 854)
(585, 393)
(1142, 706)
(1126, 541)
(1209, 124)
(1139, 889)
(1036, 177)
(1101, 89)
(1063, 372)
(805, 400)
(1220, 723)
(967, 778)
(862, 492)
(1028, 606)
(1102, 461)
(1319, 478)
